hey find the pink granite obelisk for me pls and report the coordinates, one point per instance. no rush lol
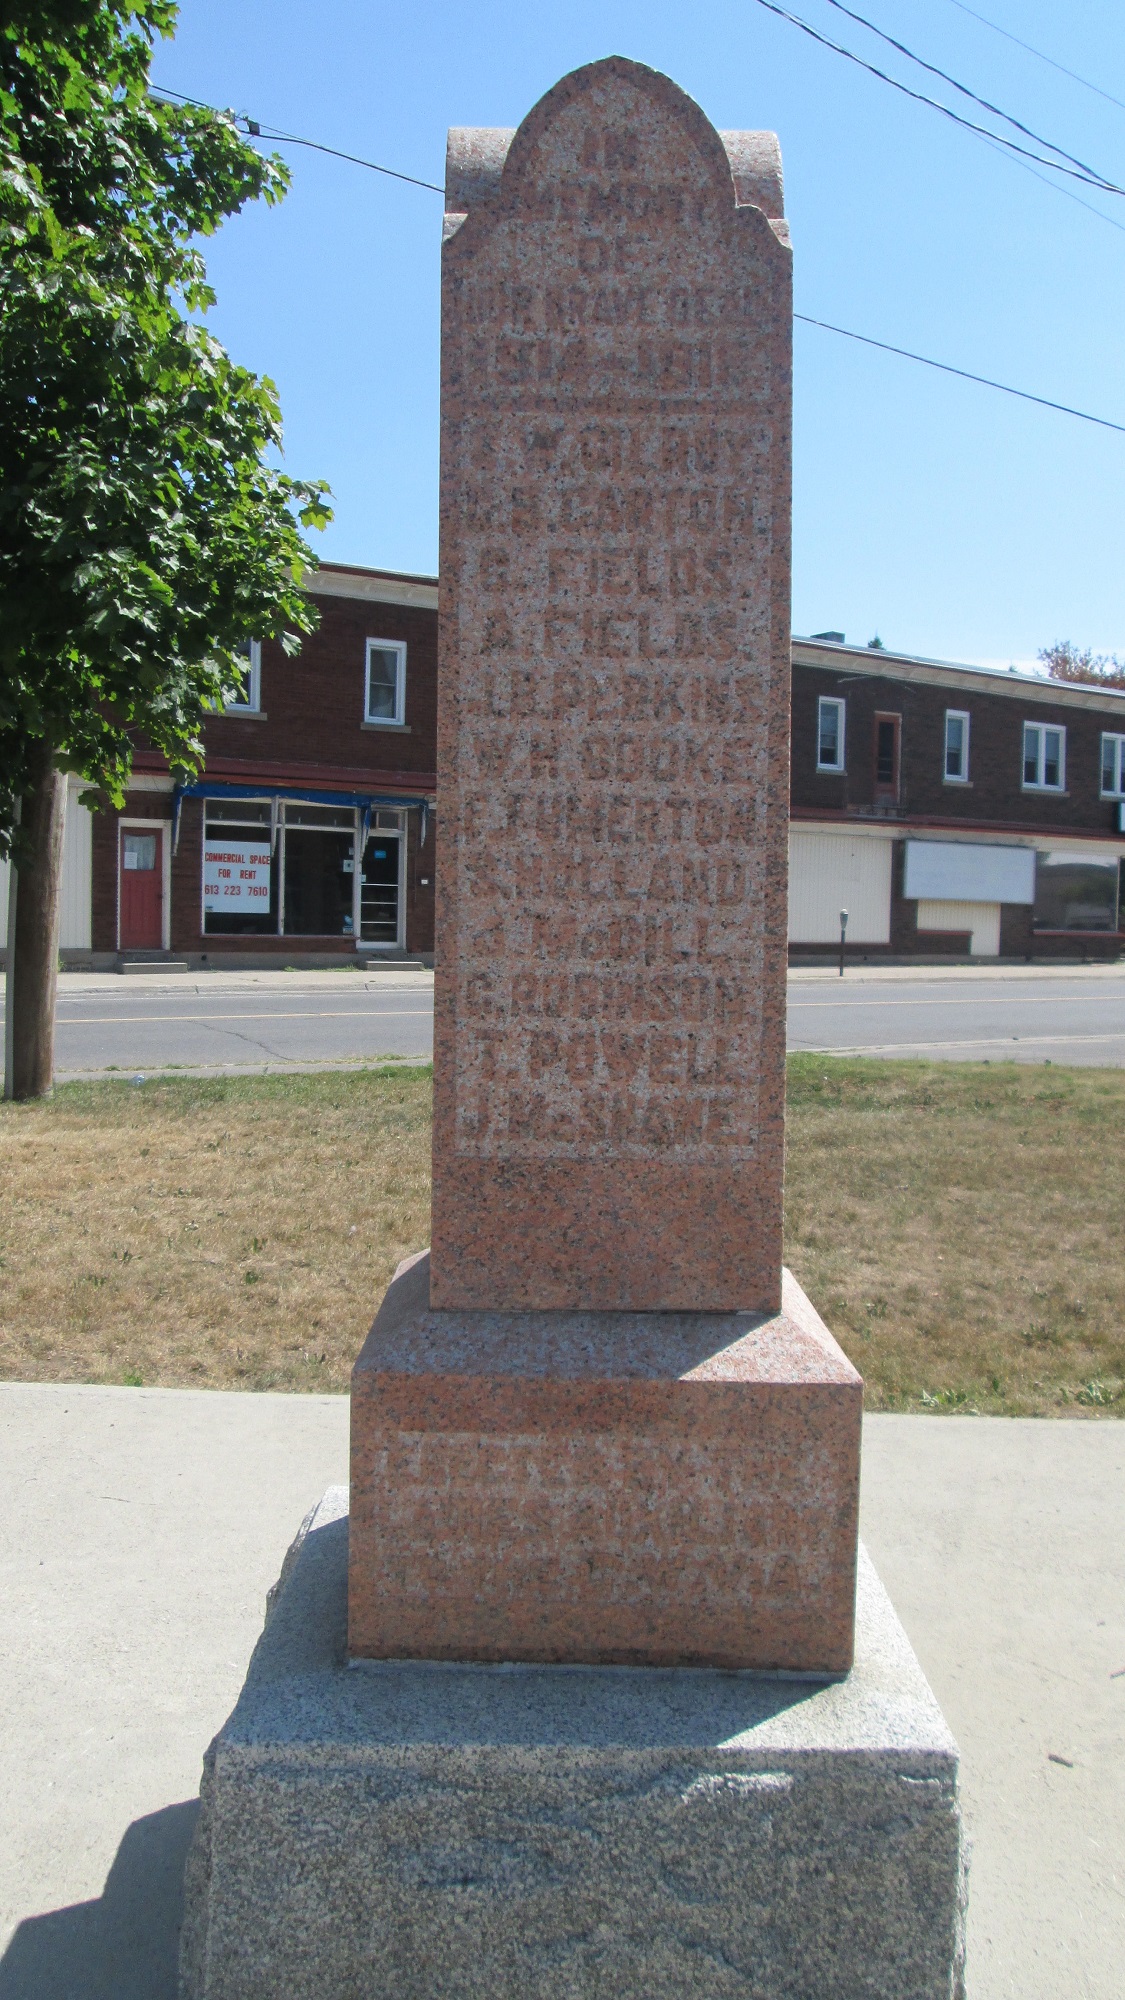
(609, 1030)
(590, 1425)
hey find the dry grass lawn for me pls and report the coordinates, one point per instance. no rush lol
(226, 1234)
(959, 1226)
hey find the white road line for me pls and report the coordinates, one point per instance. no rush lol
(973, 1042)
(939, 1000)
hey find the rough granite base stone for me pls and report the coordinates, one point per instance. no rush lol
(420, 1831)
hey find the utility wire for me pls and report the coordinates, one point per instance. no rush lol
(1057, 187)
(997, 142)
(947, 368)
(1056, 166)
(288, 139)
(1049, 60)
(984, 102)
(256, 131)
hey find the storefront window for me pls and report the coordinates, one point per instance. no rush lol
(319, 871)
(1073, 893)
(240, 874)
(287, 868)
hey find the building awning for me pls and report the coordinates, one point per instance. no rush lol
(365, 802)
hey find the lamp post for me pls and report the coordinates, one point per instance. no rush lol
(843, 934)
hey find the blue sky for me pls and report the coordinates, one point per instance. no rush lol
(951, 520)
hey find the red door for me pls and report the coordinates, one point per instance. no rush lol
(142, 888)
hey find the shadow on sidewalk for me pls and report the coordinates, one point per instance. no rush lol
(123, 1946)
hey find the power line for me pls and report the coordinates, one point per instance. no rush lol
(997, 142)
(288, 139)
(257, 130)
(947, 368)
(935, 104)
(984, 102)
(1057, 187)
(1049, 60)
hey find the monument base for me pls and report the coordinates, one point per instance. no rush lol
(657, 1489)
(419, 1831)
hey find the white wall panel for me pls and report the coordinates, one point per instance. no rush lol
(76, 893)
(982, 919)
(76, 889)
(830, 872)
(963, 871)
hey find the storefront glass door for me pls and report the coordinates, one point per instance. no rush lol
(380, 893)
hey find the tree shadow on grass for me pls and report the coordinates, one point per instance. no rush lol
(125, 1944)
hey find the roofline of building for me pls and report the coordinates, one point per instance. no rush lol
(391, 586)
(832, 656)
(373, 586)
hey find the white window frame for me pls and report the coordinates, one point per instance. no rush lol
(1037, 784)
(840, 705)
(1117, 789)
(398, 648)
(253, 705)
(961, 777)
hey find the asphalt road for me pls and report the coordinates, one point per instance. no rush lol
(1072, 1015)
(241, 1023)
(249, 1022)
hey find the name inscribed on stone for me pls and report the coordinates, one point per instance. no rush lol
(608, 501)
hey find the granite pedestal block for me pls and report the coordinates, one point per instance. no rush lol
(637, 1489)
(409, 1831)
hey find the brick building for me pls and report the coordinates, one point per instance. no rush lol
(951, 810)
(309, 836)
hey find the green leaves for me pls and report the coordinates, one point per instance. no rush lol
(144, 534)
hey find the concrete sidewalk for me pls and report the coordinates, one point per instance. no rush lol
(140, 1529)
(389, 978)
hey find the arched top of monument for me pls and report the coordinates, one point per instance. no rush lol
(486, 164)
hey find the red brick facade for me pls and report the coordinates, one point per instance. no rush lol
(310, 736)
(307, 736)
(993, 805)
(994, 796)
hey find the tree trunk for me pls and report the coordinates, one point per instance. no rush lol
(32, 977)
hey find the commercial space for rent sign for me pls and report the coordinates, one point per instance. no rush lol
(236, 876)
